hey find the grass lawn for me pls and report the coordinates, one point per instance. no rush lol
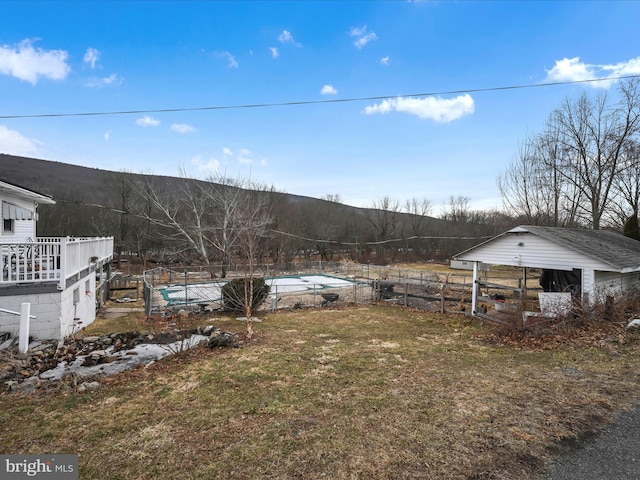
(370, 392)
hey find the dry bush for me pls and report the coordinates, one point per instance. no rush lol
(173, 330)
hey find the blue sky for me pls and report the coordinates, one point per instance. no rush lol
(414, 141)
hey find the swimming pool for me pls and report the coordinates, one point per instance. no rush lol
(212, 292)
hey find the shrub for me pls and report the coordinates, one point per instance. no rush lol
(233, 293)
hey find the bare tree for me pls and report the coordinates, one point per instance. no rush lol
(221, 218)
(332, 197)
(533, 187)
(457, 210)
(384, 219)
(572, 173)
(417, 220)
(592, 134)
(252, 218)
(627, 188)
(179, 211)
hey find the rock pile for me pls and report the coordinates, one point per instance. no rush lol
(26, 372)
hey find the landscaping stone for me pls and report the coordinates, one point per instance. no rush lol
(97, 356)
(83, 387)
(220, 339)
(634, 324)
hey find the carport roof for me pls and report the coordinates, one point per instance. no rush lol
(622, 253)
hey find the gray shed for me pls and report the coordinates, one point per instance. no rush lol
(593, 263)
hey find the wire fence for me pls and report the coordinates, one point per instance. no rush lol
(315, 284)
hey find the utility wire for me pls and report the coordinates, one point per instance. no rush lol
(313, 102)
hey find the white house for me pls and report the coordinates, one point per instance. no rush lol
(60, 277)
(590, 263)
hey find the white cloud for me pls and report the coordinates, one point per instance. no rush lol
(384, 60)
(112, 80)
(232, 63)
(27, 63)
(91, 56)
(357, 31)
(274, 52)
(147, 121)
(362, 36)
(211, 165)
(285, 37)
(572, 70)
(328, 90)
(107, 135)
(244, 156)
(362, 41)
(434, 108)
(182, 128)
(630, 67)
(14, 143)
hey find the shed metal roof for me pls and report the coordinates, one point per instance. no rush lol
(614, 249)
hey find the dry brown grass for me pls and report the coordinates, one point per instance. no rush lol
(368, 392)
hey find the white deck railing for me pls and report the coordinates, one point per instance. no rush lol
(51, 259)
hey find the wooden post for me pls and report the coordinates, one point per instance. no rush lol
(406, 292)
(608, 308)
(442, 298)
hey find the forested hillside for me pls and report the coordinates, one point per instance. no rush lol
(179, 219)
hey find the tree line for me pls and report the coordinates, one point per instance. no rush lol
(222, 220)
(582, 169)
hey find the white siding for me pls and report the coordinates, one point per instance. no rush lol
(526, 249)
(84, 310)
(610, 283)
(24, 230)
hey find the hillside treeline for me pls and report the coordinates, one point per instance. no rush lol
(182, 220)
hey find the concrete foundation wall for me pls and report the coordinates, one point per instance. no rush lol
(44, 306)
(58, 314)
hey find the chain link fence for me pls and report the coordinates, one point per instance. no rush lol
(310, 285)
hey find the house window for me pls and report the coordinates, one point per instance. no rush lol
(8, 225)
(87, 288)
(76, 296)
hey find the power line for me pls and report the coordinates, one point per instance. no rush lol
(313, 102)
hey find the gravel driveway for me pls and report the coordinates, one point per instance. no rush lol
(614, 454)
